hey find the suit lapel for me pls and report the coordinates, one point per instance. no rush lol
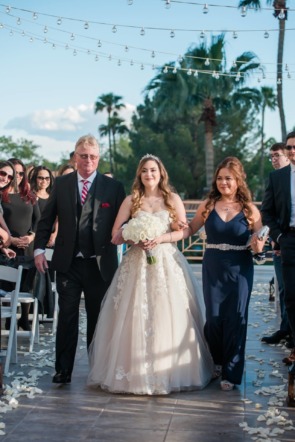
(98, 192)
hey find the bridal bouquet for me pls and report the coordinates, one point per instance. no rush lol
(144, 227)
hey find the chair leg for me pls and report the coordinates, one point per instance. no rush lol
(35, 327)
(55, 313)
(11, 353)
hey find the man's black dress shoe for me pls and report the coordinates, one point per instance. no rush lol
(275, 338)
(63, 377)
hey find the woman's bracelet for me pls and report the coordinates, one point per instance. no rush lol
(171, 237)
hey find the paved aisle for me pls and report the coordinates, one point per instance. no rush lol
(75, 413)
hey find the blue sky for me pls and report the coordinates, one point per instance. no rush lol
(47, 93)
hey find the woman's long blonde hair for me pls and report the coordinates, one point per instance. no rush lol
(243, 195)
(164, 186)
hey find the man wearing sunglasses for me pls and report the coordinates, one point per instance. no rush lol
(278, 212)
(86, 204)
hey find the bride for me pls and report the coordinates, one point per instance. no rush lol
(149, 337)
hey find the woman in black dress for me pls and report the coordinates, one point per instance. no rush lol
(21, 213)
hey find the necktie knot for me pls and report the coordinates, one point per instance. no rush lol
(84, 191)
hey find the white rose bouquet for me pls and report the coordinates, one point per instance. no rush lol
(144, 227)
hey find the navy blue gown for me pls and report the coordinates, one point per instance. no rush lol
(227, 285)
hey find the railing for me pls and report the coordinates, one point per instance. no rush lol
(194, 247)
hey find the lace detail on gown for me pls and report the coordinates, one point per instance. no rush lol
(149, 337)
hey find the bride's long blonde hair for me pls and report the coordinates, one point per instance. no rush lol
(164, 187)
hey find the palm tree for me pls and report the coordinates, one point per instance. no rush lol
(281, 13)
(200, 98)
(268, 100)
(111, 103)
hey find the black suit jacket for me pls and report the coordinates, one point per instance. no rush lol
(62, 203)
(276, 204)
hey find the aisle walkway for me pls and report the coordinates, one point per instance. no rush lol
(75, 413)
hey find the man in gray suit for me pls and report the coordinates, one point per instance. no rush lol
(86, 205)
(278, 212)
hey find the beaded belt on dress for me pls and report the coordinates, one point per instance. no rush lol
(225, 247)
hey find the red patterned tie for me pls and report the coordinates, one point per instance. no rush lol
(84, 191)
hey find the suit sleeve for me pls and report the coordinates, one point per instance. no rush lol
(268, 210)
(47, 220)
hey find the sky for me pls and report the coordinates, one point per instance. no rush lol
(48, 87)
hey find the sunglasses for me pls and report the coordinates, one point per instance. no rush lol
(20, 173)
(290, 147)
(43, 178)
(5, 174)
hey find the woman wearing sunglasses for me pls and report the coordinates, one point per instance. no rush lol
(21, 213)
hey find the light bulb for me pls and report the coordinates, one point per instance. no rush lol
(281, 15)
(258, 80)
(234, 64)
(167, 4)
(235, 35)
(114, 29)
(53, 46)
(110, 57)
(74, 52)
(18, 22)
(99, 44)
(202, 34)
(153, 67)
(142, 67)
(196, 73)
(286, 67)
(174, 71)
(45, 41)
(119, 62)
(11, 33)
(131, 63)
(289, 75)
(238, 76)
(23, 34)
(35, 16)
(45, 30)
(142, 32)
(165, 70)
(1, 26)
(72, 37)
(153, 54)
(86, 25)
(279, 81)
(207, 62)
(189, 72)
(7, 9)
(205, 9)
(172, 34)
(31, 40)
(130, 2)
(244, 11)
(180, 58)
(126, 49)
(96, 58)
(88, 52)
(266, 34)
(66, 46)
(59, 21)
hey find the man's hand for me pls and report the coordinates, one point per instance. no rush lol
(41, 263)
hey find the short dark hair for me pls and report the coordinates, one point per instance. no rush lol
(290, 135)
(72, 154)
(278, 146)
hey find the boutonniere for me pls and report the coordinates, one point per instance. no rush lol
(105, 205)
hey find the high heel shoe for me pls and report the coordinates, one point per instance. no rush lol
(23, 324)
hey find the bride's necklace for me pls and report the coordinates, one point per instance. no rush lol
(153, 202)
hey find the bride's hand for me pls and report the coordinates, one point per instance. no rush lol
(117, 238)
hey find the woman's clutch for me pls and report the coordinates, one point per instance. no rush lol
(261, 234)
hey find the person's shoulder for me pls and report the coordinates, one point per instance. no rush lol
(280, 172)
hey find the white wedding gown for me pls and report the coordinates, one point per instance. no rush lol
(149, 336)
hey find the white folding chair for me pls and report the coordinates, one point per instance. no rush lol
(11, 275)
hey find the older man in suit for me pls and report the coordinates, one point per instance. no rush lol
(278, 212)
(86, 205)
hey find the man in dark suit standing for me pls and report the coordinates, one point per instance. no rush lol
(86, 205)
(278, 212)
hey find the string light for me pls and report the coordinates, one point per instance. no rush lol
(7, 9)
(45, 30)
(110, 57)
(174, 71)
(286, 67)
(207, 62)
(189, 72)
(153, 54)
(66, 47)
(1, 26)
(18, 22)
(99, 45)
(243, 11)
(96, 58)
(142, 67)
(165, 70)
(235, 35)
(234, 65)
(114, 29)
(53, 46)
(45, 41)
(31, 40)
(119, 62)
(205, 9)
(35, 16)
(202, 34)
(172, 34)
(130, 2)
(142, 32)
(266, 34)
(86, 25)
(11, 33)
(59, 21)
(23, 34)
(279, 81)
(131, 63)
(74, 52)
(281, 15)
(88, 52)
(126, 49)
(167, 4)
(196, 73)
(289, 75)
(180, 59)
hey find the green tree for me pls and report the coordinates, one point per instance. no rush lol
(23, 149)
(281, 13)
(111, 103)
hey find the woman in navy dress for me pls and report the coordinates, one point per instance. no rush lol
(229, 217)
